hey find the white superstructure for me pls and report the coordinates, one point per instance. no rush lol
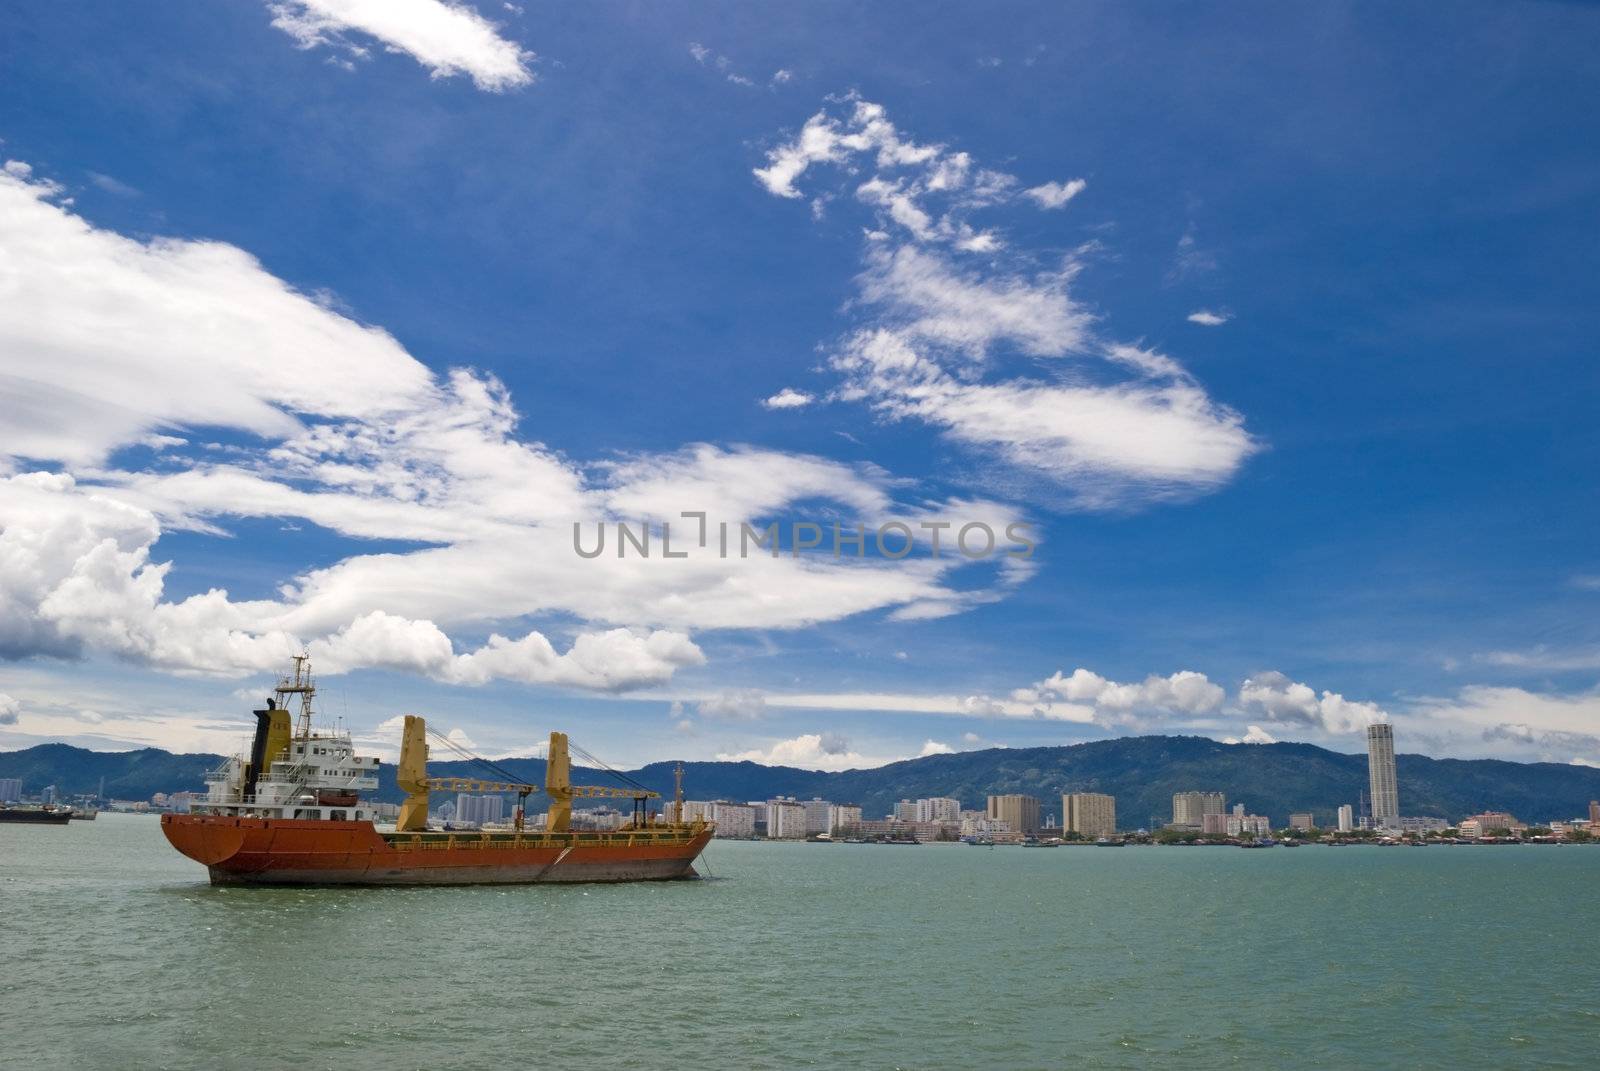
(313, 775)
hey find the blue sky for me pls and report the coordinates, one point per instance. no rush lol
(1273, 323)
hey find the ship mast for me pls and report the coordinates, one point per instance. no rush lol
(300, 684)
(677, 795)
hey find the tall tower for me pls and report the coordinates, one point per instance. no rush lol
(1380, 772)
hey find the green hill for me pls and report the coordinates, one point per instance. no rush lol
(1142, 772)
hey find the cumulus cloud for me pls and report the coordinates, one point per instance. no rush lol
(9, 709)
(1254, 734)
(1207, 318)
(1291, 703)
(446, 37)
(1055, 194)
(952, 326)
(613, 661)
(809, 751)
(1121, 705)
(109, 344)
(935, 747)
(788, 398)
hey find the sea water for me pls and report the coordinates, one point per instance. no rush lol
(116, 953)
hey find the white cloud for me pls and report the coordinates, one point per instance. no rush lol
(613, 661)
(1545, 658)
(902, 703)
(934, 747)
(1191, 258)
(1056, 194)
(747, 704)
(1123, 705)
(112, 185)
(926, 299)
(9, 709)
(953, 343)
(1289, 702)
(446, 37)
(110, 339)
(716, 61)
(788, 398)
(1207, 318)
(1586, 582)
(1495, 707)
(107, 343)
(809, 751)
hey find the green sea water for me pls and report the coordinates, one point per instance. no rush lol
(117, 954)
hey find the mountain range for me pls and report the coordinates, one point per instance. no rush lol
(1142, 772)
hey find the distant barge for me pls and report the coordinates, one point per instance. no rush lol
(45, 815)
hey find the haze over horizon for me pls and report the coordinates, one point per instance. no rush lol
(321, 328)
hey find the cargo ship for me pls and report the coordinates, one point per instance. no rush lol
(292, 813)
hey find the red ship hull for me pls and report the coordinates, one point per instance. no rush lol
(281, 851)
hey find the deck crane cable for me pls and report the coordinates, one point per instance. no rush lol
(500, 772)
(618, 774)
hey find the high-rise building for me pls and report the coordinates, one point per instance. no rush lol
(1347, 818)
(844, 820)
(1020, 812)
(735, 821)
(11, 790)
(817, 811)
(1303, 820)
(905, 811)
(1594, 810)
(47, 794)
(478, 810)
(1094, 814)
(1190, 808)
(1380, 772)
(939, 809)
(786, 820)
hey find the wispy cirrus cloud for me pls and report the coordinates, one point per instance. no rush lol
(1545, 658)
(723, 65)
(448, 38)
(988, 344)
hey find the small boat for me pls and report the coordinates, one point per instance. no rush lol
(1107, 842)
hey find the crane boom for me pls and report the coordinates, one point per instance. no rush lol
(412, 777)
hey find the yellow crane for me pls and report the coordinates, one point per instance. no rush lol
(412, 775)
